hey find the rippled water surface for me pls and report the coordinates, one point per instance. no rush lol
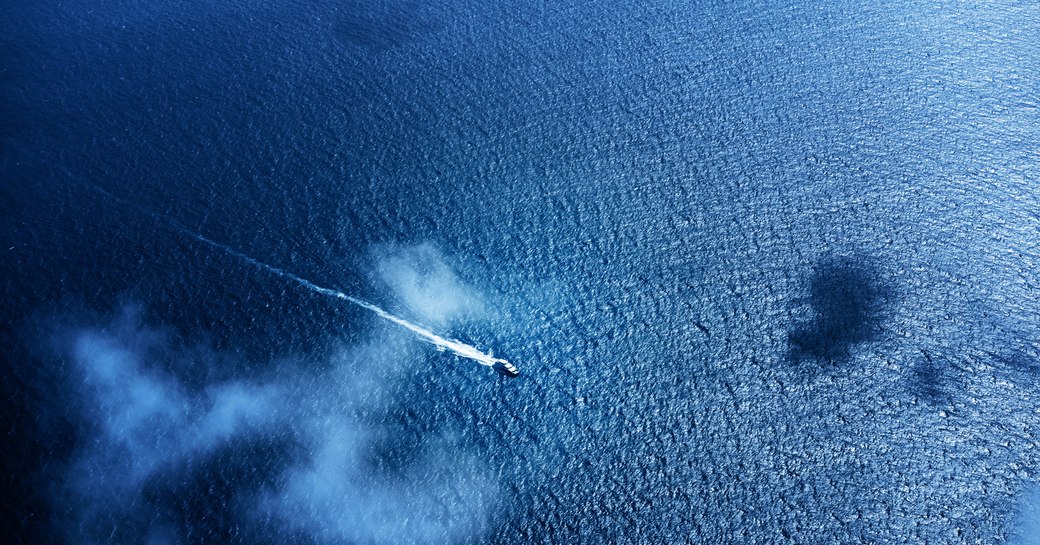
(769, 271)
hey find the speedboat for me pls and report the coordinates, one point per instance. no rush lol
(505, 368)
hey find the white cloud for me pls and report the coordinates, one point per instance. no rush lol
(142, 426)
(423, 281)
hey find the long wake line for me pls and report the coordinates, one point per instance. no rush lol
(459, 348)
(456, 347)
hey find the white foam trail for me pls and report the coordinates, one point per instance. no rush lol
(458, 348)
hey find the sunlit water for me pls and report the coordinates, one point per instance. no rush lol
(769, 270)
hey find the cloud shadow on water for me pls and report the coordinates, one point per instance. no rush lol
(929, 378)
(847, 299)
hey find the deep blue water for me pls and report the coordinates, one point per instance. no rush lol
(769, 271)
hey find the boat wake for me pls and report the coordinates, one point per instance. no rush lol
(456, 347)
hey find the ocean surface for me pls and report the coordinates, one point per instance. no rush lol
(770, 271)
